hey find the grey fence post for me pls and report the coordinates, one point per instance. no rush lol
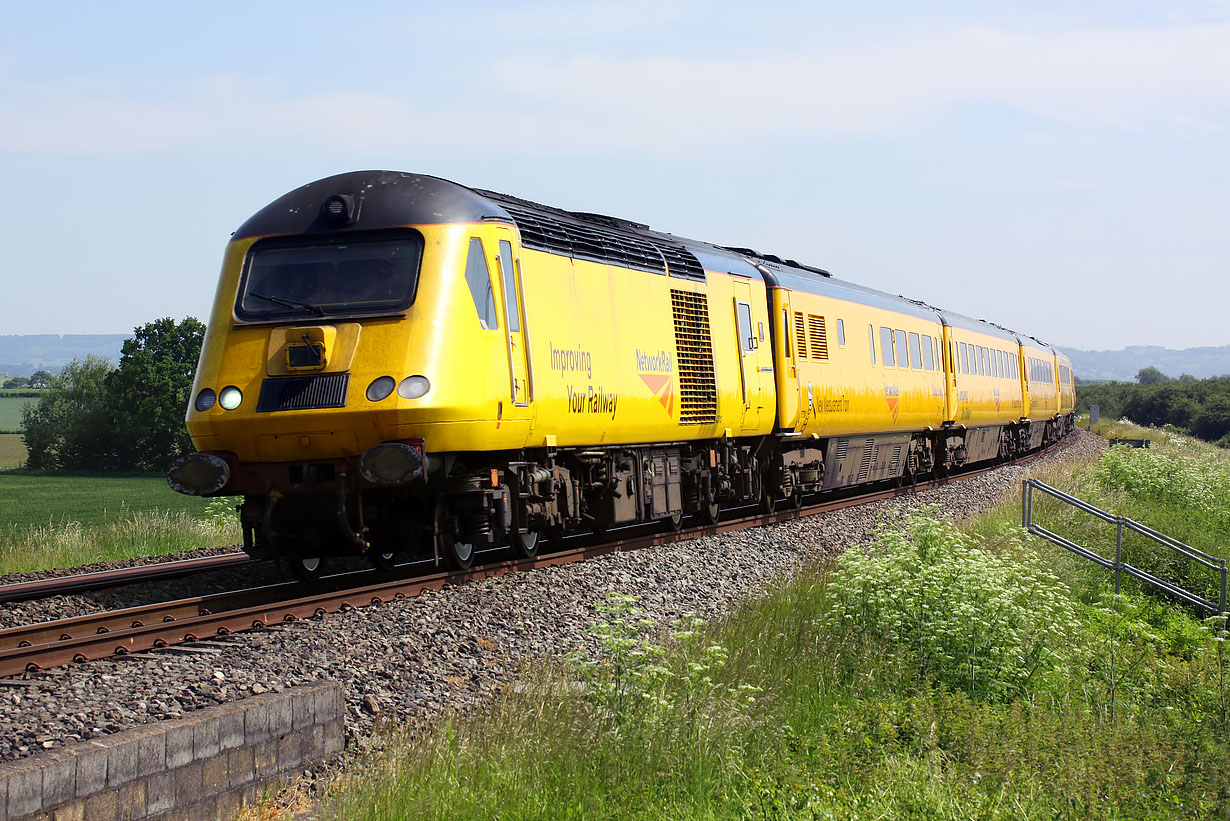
(1118, 552)
(1222, 602)
(1025, 504)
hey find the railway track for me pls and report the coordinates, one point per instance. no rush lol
(81, 582)
(155, 626)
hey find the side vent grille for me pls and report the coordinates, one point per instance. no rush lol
(694, 353)
(800, 335)
(893, 469)
(303, 393)
(582, 238)
(843, 449)
(864, 466)
(819, 339)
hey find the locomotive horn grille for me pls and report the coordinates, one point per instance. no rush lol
(694, 353)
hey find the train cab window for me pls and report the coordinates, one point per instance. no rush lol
(297, 279)
(886, 347)
(871, 340)
(841, 333)
(916, 361)
(510, 286)
(928, 353)
(743, 312)
(786, 332)
(901, 349)
(479, 280)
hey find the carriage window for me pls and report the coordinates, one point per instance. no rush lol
(786, 331)
(916, 361)
(982, 361)
(510, 286)
(964, 358)
(841, 333)
(745, 326)
(902, 351)
(871, 340)
(479, 280)
(928, 353)
(886, 347)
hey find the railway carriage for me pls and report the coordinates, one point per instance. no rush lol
(396, 360)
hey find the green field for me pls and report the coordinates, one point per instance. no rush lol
(49, 521)
(10, 412)
(12, 451)
(27, 500)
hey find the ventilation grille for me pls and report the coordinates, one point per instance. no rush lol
(694, 353)
(818, 337)
(843, 449)
(893, 468)
(580, 240)
(800, 335)
(303, 393)
(864, 466)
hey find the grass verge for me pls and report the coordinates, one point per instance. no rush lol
(948, 673)
(49, 521)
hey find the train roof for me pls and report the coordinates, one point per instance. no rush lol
(390, 198)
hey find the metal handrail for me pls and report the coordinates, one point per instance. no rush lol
(1118, 565)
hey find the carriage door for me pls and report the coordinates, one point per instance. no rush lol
(514, 323)
(749, 366)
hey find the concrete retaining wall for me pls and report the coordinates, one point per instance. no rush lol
(206, 765)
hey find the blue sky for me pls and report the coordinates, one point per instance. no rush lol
(1060, 168)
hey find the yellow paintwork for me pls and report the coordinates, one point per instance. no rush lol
(1041, 397)
(1067, 392)
(625, 393)
(979, 398)
(846, 393)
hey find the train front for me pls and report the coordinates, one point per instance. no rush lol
(321, 370)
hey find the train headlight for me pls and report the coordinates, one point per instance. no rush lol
(230, 397)
(198, 474)
(413, 387)
(391, 463)
(205, 400)
(380, 388)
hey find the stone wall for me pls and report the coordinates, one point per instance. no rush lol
(205, 765)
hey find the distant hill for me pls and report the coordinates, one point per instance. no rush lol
(23, 355)
(1123, 365)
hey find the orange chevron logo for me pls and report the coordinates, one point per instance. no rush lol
(660, 384)
(892, 406)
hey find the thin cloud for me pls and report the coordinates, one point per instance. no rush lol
(1175, 78)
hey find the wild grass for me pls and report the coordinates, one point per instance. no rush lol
(943, 674)
(50, 521)
(127, 535)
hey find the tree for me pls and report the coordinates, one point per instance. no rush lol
(1151, 376)
(70, 427)
(149, 392)
(40, 379)
(17, 382)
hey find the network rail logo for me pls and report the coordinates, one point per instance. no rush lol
(657, 371)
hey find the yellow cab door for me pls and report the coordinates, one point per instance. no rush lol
(509, 267)
(751, 339)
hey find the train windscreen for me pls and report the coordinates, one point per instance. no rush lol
(327, 279)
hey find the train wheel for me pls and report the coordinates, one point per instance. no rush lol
(795, 500)
(458, 555)
(525, 545)
(306, 568)
(710, 513)
(382, 557)
(768, 503)
(674, 523)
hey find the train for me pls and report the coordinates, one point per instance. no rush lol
(399, 364)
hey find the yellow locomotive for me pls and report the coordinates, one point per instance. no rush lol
(394, 359)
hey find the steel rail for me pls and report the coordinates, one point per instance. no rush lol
(19, 591)
(149, 627)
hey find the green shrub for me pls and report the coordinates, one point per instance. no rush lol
(968, 619)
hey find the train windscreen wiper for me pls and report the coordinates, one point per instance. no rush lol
(289, 303)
